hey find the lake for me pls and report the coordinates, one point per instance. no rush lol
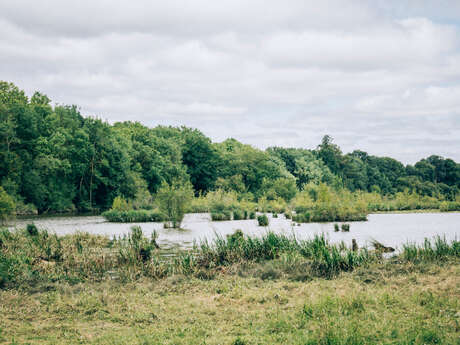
(391, 229)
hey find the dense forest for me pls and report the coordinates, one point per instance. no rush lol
(52, 159)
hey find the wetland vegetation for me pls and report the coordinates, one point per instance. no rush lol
(273, 289)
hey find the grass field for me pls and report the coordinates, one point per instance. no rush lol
(379, 304)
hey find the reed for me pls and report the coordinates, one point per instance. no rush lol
(29, 259)
(431, 250)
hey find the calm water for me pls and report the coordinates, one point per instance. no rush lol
(391, 229)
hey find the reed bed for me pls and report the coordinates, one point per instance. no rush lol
(31, 256)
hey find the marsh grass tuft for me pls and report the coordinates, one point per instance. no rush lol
(262, 220)
(431, 250)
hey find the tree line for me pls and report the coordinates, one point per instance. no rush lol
(52, 159)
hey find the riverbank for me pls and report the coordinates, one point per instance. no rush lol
(380, 304)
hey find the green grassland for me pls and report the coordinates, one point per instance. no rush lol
(86, 289)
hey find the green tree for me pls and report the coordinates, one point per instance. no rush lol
(201, 158)
(173, 200)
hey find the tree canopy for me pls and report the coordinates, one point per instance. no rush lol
(54, 159)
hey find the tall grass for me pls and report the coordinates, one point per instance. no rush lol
(431, 250)
(324, 258)
(31, 257)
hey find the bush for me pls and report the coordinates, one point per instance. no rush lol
(31, 230)
(262, 220)
(448, 206)
(238, 214)
(7, 206)
(134, 216)
(198, 205)
(252, 215)
(120, 204)
(336, 227)
(173, 200)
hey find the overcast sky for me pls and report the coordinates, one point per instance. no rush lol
(381, 76)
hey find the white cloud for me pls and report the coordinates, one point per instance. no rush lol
(265, 72)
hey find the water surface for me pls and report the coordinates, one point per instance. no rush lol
(391, 229)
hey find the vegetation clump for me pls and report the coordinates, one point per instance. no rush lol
(134, 216)
(262, 220)
(238, 214)
(448, 206)
(221, 216)
(7, 206)
(345, 227)
(172, 200)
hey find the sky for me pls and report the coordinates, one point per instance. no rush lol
(378, 75)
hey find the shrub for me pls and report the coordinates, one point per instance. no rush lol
(262, 220)
(120, 204)
(198, 205)
(7, 206)
(173, 200)
(220, 200)
(252, 215)
(31, 230)
(448, 206)
(336, 227)
(238, 214)
(135, 248)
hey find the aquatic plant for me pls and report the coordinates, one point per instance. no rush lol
(28, 259)
(262, 220)
(131, 216)
(222, 215)
(345, 227)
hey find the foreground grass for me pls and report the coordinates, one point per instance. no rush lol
(87, 289)
(380, 304)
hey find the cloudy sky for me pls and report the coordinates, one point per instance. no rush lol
(381, 76)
